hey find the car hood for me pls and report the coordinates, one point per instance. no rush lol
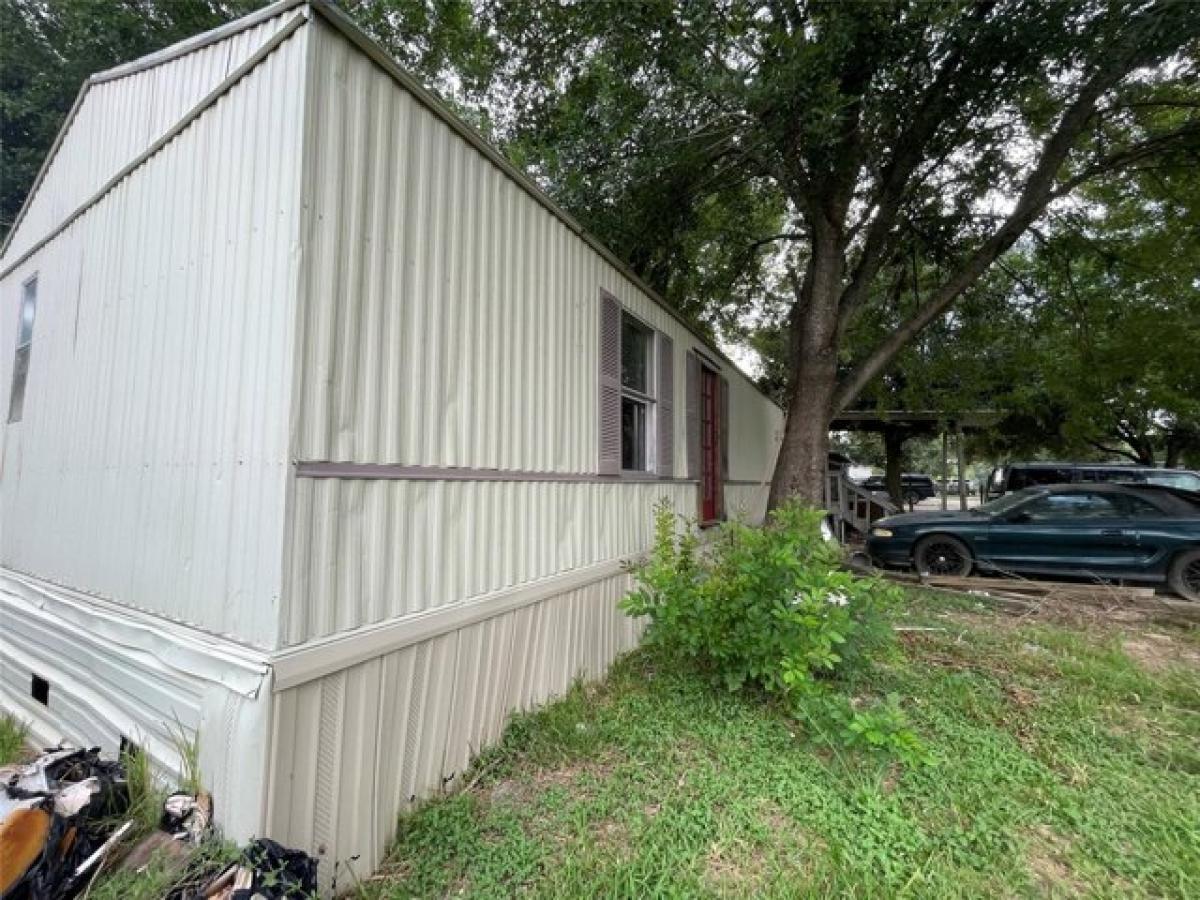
(944, 517)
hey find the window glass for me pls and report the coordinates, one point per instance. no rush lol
(1071, 506)
(16, 396)
(1022, 478)
(1183, 480)
(633, 434)
(1135, 507)
(635, 355)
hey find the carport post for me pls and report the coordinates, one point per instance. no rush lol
(962, 466)
(945, 467)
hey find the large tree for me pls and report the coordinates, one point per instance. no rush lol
(875, 124)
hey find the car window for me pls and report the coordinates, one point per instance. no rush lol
(1183, 480)
(1023, 478)
(1135, 507)
(1071, 506)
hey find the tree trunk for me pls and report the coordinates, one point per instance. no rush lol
(804, 452)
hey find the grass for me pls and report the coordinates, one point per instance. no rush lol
(13, 736)
(1067, 763)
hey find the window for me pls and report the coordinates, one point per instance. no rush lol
(16, 398)
(1183, 480)
(1136, 507)
(1071, 506)
(637, 394)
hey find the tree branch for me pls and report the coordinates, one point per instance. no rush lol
(1036, 194)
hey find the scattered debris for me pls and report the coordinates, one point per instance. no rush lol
(56, 821)
(60, 822)
(267, 871)
(1022, 596)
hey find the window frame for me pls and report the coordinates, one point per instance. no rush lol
(19, 381)
(647, 400)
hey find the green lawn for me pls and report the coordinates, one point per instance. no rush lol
(12, 739)
(1068, 763)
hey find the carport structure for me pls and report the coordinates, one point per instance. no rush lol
(898, 426)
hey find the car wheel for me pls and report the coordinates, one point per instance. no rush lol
(912, 498)
(942, 555)
(1184, 577)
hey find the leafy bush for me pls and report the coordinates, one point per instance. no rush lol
(771, 607)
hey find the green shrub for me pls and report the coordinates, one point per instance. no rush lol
(769, 606)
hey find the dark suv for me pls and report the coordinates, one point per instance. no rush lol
(916, 487)
(1014, 477)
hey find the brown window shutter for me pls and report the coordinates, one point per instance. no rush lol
(723, 432)
(610, 385)
(692, 422)
(666, 405)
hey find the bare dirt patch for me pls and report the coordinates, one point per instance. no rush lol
(1047, 857)
(574, 777)
(1157, 652)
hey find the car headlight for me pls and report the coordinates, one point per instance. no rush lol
(881, 532)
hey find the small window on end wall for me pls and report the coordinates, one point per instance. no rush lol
(16, 397)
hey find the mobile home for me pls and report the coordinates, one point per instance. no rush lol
(326, 433)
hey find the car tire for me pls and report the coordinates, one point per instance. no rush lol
(943, 556)
(1184, 575)
(912, 498)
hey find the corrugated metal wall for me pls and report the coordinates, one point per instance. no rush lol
(151, 461)
(367, 551)
(449, 319)
(355, 748)
(118, 119)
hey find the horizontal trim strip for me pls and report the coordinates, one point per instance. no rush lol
(189, 117)
(313, 660)
(399, 472)
(746, 482)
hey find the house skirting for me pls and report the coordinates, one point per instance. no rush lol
(90, 672)
(356, 746)
(324, 745)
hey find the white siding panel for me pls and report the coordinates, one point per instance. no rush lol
(151, 462)
(357, 748)
(366, 551)
(451, 318)
(118, 119)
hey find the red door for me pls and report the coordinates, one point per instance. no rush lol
(710, 446)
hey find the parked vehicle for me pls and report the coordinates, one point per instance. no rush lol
(915, 487)
(1015, 476)
(1138, 533)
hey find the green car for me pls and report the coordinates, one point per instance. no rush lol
(1096, 531)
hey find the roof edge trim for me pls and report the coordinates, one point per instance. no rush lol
(194, 43)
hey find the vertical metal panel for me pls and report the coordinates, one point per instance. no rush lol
(118, 119)
(356, 748)
(151, 461)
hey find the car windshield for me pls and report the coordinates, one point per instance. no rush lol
(1007, 502)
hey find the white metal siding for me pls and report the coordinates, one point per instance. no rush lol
(151, 460)
(367, 551)
(356, 748)
(451, 319)
(118, 119)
